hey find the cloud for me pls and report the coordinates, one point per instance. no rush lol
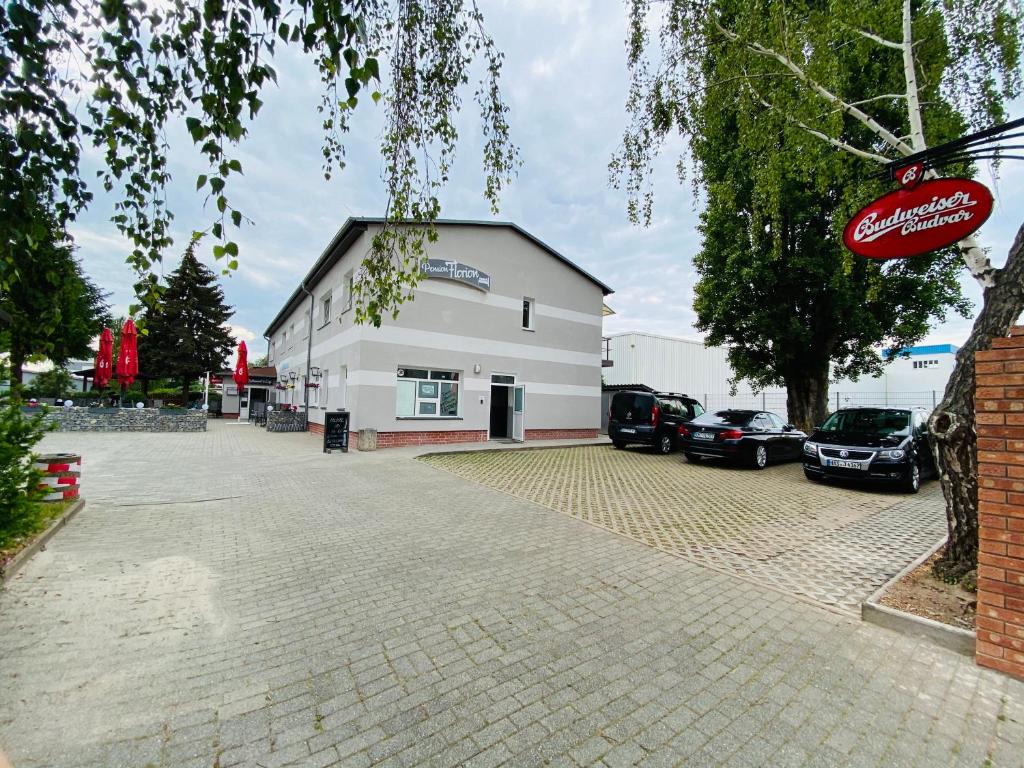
(241, 333)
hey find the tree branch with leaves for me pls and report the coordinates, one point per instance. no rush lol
(117, 75)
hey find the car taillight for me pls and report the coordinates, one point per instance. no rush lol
(655, 414)
(683, 431)
(731, 434)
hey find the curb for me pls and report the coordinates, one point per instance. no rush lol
(962, 641)
(17, 562)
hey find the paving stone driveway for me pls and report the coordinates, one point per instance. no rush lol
(237, 598)
(835, 545)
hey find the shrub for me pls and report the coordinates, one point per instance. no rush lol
(19, 433)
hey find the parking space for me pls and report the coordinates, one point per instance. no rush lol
(832, 544)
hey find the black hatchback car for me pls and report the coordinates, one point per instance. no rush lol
(875, 444)
(748, 437)
(650, 418)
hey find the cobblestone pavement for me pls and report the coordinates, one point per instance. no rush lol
(833, 544)
(234, 598)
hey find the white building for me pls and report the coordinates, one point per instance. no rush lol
(503, 340)
(668, 364)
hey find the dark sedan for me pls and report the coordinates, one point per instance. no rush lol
(887, 445)
(749, 437)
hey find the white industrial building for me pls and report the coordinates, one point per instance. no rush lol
(668, 364)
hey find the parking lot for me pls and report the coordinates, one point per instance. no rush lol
(832, 544)
(235, 598)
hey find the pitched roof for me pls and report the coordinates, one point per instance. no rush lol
(356, 225)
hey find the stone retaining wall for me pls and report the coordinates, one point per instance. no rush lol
(999, 404)
(126, 420)
(286, 421)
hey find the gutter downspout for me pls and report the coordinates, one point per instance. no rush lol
(309, 352)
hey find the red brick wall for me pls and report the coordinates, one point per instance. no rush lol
(560, 434)
(439, 437)
(999, 408)
(443, 437)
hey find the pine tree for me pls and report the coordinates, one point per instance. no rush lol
(186, 335)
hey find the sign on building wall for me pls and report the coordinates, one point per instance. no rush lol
(454, 270)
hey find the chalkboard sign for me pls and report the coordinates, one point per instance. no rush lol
(336, 431)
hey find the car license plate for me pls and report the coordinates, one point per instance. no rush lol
(704, 435)
(628, 431)
(843, 464)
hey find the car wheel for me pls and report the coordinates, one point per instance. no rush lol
(693, 458)
(812, 477)
(665, 445)
(619, 444)
(913, 481)
(759, 458)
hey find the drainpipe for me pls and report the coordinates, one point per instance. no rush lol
(309, 353)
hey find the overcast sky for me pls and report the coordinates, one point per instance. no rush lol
(565, 81)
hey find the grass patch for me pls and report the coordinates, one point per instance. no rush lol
(28, 526)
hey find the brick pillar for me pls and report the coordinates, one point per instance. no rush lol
(999, 407)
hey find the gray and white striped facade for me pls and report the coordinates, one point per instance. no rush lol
(450, 327)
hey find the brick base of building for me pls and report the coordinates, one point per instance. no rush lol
(999, 404)
(444, 437)
(560, 434)
(440, 437)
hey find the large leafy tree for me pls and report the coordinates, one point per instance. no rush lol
(118, 74)
(775, 284)
(51, 308)
(186, 335)
(875, 81)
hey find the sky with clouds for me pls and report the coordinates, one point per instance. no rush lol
(565, 81)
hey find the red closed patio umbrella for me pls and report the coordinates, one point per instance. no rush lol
(241, 374)
(104, 360)
(128, 356)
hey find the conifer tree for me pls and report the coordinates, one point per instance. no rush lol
(186, 335)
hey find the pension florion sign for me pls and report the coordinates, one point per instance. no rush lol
(454, 270)
(919, 218)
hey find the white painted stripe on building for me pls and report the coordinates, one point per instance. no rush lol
(372, 378)
(389, 379)
(430, 340)
(461, 293)
(562, 390)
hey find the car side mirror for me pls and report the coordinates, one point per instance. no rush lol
(787, 428)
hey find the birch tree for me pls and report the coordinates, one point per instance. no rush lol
(942, 65)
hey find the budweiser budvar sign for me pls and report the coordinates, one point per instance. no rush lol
(909, 222)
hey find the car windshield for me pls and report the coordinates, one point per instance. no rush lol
(868, 421)
(725, 418)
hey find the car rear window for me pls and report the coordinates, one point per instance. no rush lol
(631, 406)
(869, 421)
(725, 418)
(673, 405)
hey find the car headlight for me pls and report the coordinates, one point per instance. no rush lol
(811, 449)
(895, 453)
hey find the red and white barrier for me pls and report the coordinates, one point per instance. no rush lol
(61, 475)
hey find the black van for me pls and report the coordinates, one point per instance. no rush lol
(650, 418)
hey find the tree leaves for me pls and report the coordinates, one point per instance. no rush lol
(205, 62)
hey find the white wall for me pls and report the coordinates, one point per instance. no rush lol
(684, 365)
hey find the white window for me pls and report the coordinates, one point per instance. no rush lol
(349, 290)
(325, 376)
(325, 309)
(425, 393)
(527, 314)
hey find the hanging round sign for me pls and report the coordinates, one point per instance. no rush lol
(927, 217)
